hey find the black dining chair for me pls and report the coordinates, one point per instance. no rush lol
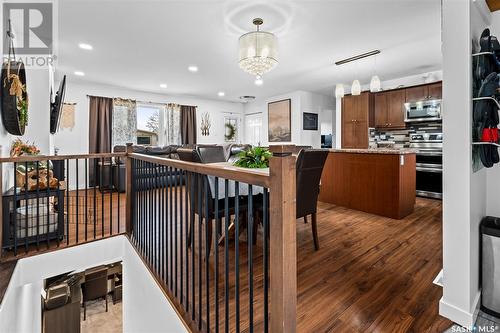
(195, 184)
(309, 168)
(95, 287)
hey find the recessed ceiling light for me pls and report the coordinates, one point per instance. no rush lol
(85, 46)
(79, 73)
(221, 94)
(193, 68)
(163, 85)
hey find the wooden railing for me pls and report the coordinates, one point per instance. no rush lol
(216, 283)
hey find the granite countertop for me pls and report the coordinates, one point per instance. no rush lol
(387, 151)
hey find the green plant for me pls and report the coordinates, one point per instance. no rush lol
(22, 107)
(255, 158)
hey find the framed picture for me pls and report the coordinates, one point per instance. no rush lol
(309, 121)
(279, 121)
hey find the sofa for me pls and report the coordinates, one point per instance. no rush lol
(231, 152)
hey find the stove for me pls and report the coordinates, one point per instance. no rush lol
(429, 164)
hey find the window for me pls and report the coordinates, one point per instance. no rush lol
(148, 124)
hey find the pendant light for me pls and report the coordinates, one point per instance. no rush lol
(356, 88)
(339, 90)
(375, 84)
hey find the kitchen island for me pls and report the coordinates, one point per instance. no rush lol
(377, 181)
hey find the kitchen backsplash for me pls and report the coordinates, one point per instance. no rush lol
(401, 137)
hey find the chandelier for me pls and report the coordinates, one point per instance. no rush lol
(258, 52)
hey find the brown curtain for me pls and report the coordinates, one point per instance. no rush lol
(188, 124)
(100, 122)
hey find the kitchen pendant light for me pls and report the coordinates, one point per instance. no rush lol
(375, 84)
(258, 51)
(339, 90)
(356, 88)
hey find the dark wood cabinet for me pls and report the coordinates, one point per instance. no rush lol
(355, 120)
(428, 91)
(435, 90)
(388, 109)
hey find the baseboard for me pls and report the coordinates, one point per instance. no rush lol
(459, 316)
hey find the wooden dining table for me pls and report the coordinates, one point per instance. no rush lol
(242, 187)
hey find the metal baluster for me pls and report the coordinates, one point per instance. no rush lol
(188, 205)
(265, 250)
(60, 221)
(67, 205)
(95, 198)
(86, 198)
(237, 251)
(162, 221)
(226, 253)
(26, 220)
(47, 237)
(216, 252)
(250, 257)
(77, 201)
(150, 205)
(37, 206)
(181, 235)
(14, 213)
(200, 222)
(101, 190)
(119, 192)
(111, 189)
(191, 236)
(170, 228)
(176, 200)
(208, 221)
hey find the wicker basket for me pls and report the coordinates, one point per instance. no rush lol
(10, 115)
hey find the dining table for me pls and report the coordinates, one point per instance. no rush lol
(242, 187)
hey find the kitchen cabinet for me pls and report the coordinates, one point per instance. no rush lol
(355, 120)
(388, 109)
(423, 92)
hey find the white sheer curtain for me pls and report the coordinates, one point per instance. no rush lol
(170, 128)
(124, 122)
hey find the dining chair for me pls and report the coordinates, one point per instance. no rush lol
(195, 185)
(95, 287)
(309, 168)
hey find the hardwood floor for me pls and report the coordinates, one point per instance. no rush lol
(371, 274)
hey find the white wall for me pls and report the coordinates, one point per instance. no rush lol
(145, 308)
(464, 194)
(76, 140)
(302, 101)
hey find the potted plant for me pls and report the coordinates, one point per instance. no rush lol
(255, 158)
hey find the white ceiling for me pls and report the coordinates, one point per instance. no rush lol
(140, 44)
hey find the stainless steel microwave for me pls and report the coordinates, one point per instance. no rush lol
(428, 110)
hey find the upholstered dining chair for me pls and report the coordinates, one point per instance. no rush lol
(195, 185)
(95, 287)
(309, 167)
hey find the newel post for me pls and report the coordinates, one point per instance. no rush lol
(128, 190)
(283, 256)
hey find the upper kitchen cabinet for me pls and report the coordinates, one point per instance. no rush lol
(356, 112)
(420, 93)
(388, 109)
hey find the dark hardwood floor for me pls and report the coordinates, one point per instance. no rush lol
(371, 274)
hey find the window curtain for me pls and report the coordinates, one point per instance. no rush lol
(100, 125)
(188, 124)
(124, 121)
(171, 124)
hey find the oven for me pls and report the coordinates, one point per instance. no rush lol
(429, 164)
(428, 110)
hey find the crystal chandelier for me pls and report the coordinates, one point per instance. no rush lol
(258, 52)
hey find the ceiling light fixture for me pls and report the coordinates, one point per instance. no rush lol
(85, 46)
(79, 73)
(163, 85)
(221, 94)
(375, 84)
(357, 57)
(356, 88)
(193, 68)
(339, 90)
(258, 80)
(258, 51)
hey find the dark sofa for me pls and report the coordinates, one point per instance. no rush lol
(231, 152)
